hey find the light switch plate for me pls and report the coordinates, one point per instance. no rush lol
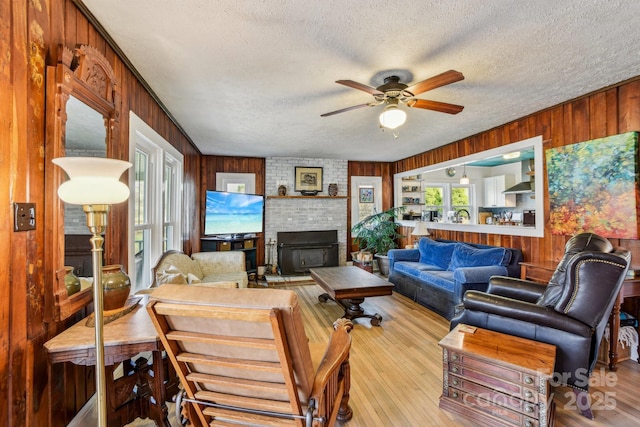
(24, 216)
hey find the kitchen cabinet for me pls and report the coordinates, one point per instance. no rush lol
(493, 191)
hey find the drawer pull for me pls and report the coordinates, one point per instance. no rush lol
(528, 380)
(455, 394)
(528, 409)
(528, 394)
(528, 423)
(455, 369)
(454, 357)
(455, 381)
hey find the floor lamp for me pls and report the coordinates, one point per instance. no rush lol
(94, 183)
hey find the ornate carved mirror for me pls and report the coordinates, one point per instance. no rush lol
(83, 107)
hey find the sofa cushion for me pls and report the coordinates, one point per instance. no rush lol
(414, 268)
(468, 256)
(436, 253)
(192, 279)
(440, 279)
(239, 277)
(220, 262)
(171, 275)
(180, 261)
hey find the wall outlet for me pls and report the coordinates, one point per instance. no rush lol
(24, 216)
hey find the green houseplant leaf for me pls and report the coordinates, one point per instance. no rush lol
(377, 233)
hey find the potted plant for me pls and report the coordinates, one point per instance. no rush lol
(377, 233)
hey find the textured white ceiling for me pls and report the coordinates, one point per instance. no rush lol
(251, 78)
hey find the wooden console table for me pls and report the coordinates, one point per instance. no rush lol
(143, 389)
(497, 379)
(542, 272)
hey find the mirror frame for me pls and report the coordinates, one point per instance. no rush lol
(538, 231)
(87, 75)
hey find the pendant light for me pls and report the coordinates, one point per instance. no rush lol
(465, 179)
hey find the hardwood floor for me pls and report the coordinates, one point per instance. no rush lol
(396, 369)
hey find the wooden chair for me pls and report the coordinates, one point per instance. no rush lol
(243, 356)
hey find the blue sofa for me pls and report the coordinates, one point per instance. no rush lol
(439, 272)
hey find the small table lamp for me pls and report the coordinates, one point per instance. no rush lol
(420, 230)
(94, 183)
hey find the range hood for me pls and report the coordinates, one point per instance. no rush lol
(523, 187)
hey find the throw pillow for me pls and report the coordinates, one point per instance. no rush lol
(436, 253)
(171, 275)
(192, 279)
(468, 256)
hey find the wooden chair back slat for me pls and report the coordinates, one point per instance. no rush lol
(252, 365)
(257, 343)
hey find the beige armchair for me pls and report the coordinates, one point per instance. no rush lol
(243, 355)
(221, 267)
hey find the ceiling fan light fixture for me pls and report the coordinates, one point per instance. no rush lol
(392, 117)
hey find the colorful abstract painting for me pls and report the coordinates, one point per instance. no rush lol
(593, 187)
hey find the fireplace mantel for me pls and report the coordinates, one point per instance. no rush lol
(306, 197)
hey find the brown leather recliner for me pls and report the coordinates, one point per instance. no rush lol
(571, 312)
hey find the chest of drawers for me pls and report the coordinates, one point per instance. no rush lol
(497, 379)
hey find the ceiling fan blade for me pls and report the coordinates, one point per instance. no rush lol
(360, 86)
(442, 107)
(434, 82)
(355, 107)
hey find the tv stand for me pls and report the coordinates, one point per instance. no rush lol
(233, 243)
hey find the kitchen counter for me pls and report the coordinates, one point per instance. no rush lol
(510, 230)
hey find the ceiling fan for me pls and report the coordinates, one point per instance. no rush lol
(392, 92)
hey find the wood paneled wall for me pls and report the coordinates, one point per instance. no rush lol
(213, 164)
(29, 36)
(607, 112)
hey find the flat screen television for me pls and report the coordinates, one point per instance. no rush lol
(230, 214)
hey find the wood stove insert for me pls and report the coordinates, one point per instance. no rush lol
(299, 251)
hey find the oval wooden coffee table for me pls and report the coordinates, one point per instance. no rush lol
(349, 286)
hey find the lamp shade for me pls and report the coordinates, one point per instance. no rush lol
(392, 117)
(420, 229)
(92, 180)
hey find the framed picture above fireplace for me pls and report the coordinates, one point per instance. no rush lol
(308, 180)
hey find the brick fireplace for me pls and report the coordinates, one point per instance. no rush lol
(305, 213)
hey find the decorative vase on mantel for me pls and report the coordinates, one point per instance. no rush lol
(71, 281)
(115, 286)
(333, 190)
(282, 190)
